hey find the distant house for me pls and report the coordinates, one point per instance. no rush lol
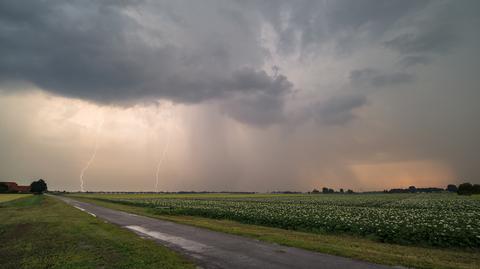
(14, 187)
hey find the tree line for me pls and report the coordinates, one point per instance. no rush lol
(462, 189)
(326, 190)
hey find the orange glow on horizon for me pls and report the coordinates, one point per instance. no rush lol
(419, 173)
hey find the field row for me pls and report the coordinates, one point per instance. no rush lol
(435, 219)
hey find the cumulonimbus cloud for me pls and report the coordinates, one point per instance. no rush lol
(129, 52)
(107, 53)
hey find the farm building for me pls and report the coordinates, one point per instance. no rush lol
(14, 187)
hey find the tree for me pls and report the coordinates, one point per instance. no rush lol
(325, 190)
(476, 189)
(341, 190)
(315, 191)
(38, 187)
(452, 188)
(3, 188)
(412, 189)
(465, 189)
(349, 191)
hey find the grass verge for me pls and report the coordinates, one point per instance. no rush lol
(5, 197)
(341, 245)
(42, 232)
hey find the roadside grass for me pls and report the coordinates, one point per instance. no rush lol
(5, 197)
(341, 245)
(42, 232)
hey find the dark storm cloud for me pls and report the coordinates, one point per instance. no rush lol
(262, 107)
(408, 61)
(447, 24)
(375, 78)
(260, 110)
(338, 110)
(437, 40)
(318, 22)
(74, 49)
(95, 51)
(128, 52)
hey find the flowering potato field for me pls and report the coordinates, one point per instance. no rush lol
(445, 220)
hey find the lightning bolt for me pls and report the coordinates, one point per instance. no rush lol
(162, 158)
(92, 158)
(164, 151)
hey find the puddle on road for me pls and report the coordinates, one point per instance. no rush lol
(175, 240)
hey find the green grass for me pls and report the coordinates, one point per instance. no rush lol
(11, 196)
(42, 232)
(341, 245)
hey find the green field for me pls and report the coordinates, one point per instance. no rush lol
(443, 220)
(11, 196)
(42, 232)
(364, 247)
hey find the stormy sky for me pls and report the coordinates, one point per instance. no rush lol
(240, 95)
